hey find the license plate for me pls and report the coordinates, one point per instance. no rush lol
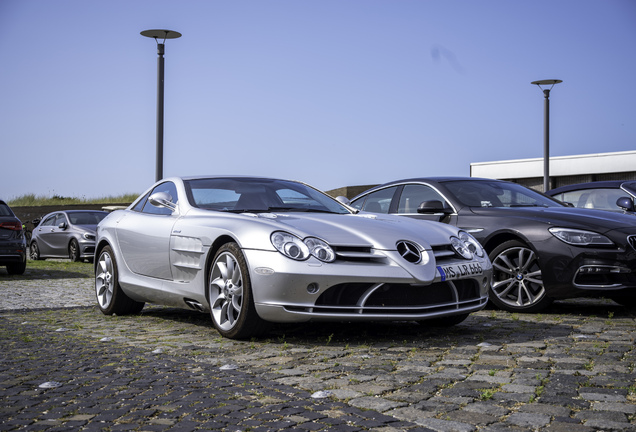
(458, 271)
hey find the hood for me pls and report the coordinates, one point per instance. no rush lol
(568, 217)
(363, 229)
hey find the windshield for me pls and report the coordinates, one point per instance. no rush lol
(629, 187)
(240, 195)
(485, 193)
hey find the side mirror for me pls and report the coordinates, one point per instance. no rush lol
(343, 200)
(62, 226)
(162, 199)
(433, 206)
(625, 203)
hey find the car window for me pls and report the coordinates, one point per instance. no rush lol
(170, 189)
(5, 210)
(140, 204)
(603, 199)
(485, 193)
(379, 201)
(59, 219)
(49, 221)
(86, 218)
(414, 195)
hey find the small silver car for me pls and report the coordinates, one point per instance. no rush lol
(256, 250)
(66, 234)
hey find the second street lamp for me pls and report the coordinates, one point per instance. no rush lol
(157, 35)
(546, 128)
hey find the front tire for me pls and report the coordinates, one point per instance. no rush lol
(230, 295)
(34, 252)
(517, 284)
(110, 297)
(74, 251)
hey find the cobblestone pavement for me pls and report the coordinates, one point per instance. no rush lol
(65, 366)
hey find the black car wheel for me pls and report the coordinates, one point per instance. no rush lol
(17, 269)
(74, 251)
(34, 251)
(110, 297)
(517, 284)
(230, 295)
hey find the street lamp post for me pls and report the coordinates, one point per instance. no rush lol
(546, 128)
(157, 35)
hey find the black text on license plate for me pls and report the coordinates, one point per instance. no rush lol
(457, 271)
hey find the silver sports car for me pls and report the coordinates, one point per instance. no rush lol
(256, 250)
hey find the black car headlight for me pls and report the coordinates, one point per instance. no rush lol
(297, 249)
(580, 237)
(89, 236)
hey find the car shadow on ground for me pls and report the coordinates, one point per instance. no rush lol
(494, 326)
(41, 274)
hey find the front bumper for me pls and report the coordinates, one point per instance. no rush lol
(291, 291)
(579, 271)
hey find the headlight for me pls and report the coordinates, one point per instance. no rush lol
(466, 246)
(579, 237)
(461, 248)
(290, 246)
(320, 249)
(88, 236)
(295, 248)
(473, 245)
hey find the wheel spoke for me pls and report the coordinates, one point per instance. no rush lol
(226, 291)
(517, 278)
(509, 284)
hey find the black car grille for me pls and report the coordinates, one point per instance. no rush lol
(397, 299)
(368, 255)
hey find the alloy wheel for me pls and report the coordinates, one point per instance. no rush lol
(104, 281)
(226, 291)
(517, 280)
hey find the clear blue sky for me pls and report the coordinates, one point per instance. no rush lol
(330, 92)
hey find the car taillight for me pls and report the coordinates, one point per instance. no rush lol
(15, 226)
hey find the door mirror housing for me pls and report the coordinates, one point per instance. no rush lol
(625, 203)
(162, 199)
(433, 206)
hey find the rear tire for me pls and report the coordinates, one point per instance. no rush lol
(111, 299)
(17, 269)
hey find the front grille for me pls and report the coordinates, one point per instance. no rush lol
(442, 252)
(398, 299)
(357, 254)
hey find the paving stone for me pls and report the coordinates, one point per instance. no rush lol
(161, 371)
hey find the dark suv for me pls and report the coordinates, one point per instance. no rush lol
(13, 247)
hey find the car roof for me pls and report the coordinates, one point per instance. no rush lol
(590, 185)
(441, 179)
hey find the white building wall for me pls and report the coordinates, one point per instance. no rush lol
(563, 169)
